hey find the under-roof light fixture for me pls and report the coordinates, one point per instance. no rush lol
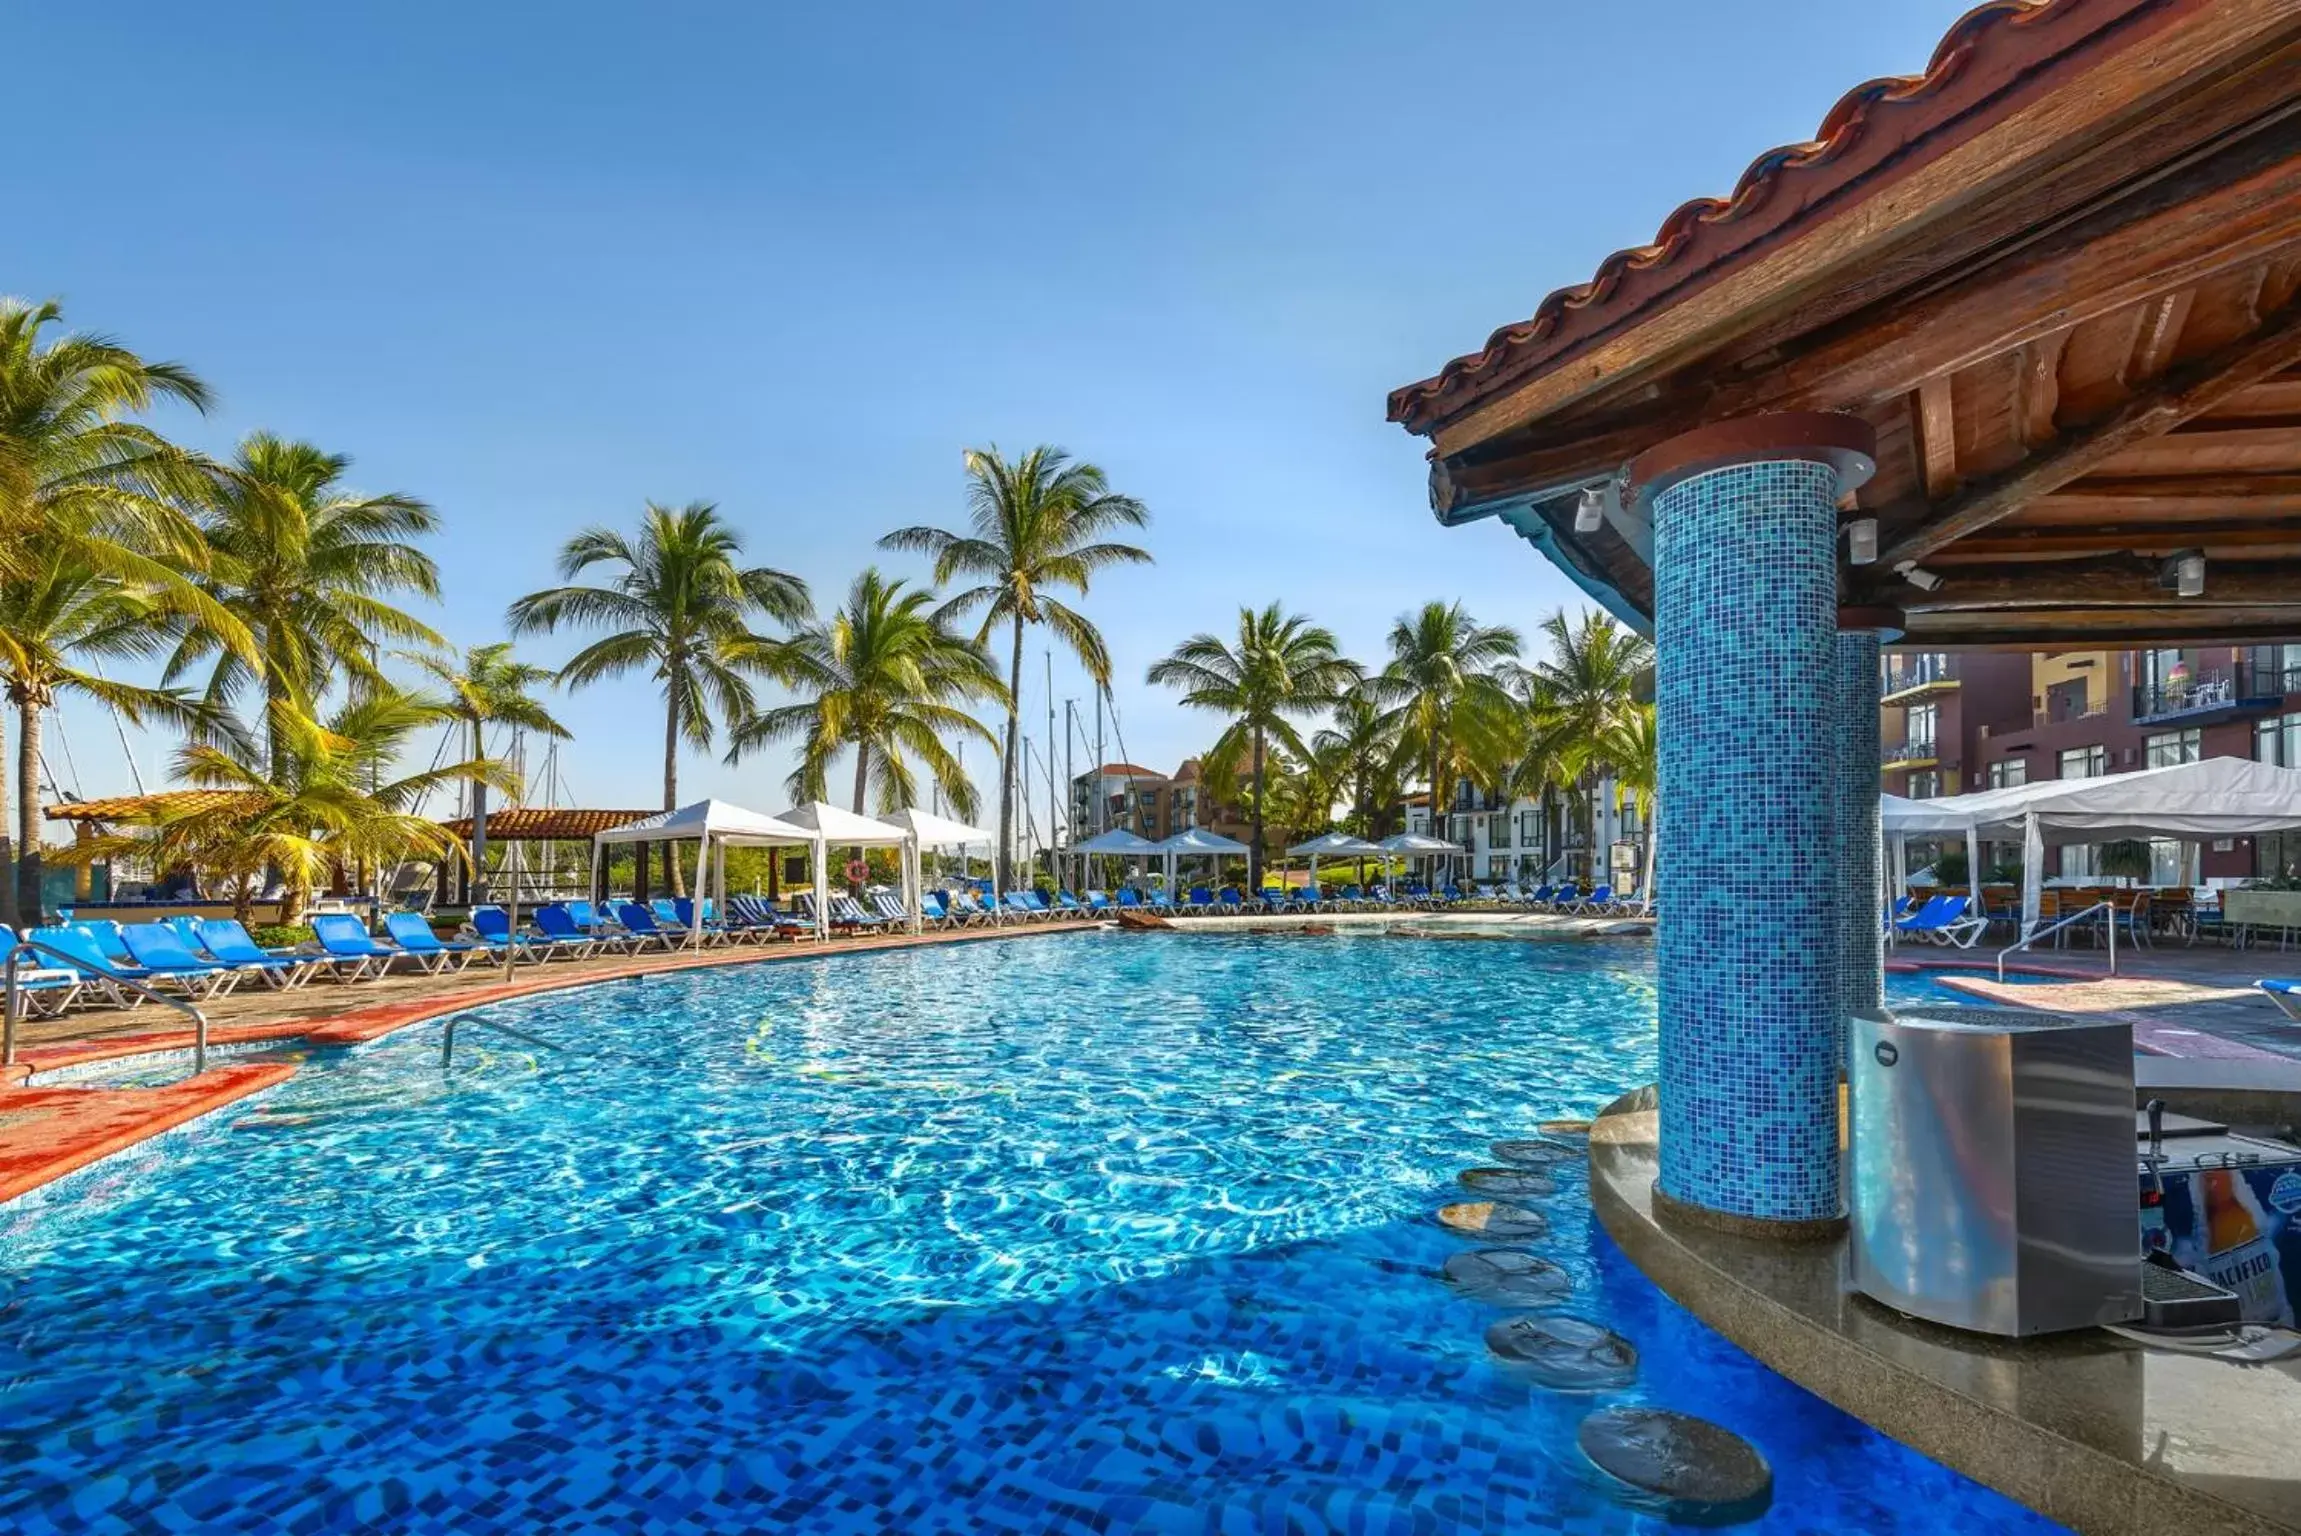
(1862, 541)
(2184, 572)
(1590, 511)
(1918, 576)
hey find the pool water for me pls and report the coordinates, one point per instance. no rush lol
(1088, 1233)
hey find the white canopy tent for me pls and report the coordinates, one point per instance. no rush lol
(2214, 798)
(713, 825)
(927, 830)
(1198, 840)
(1334, 845)
(824, 826)
(1118, 842)
(1421, 845)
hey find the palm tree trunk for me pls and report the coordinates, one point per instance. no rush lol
(1012, 766)
(1254, 859)
(478, 821)
(8, 912)
(672, 876)
(28, 813)
(862, 780)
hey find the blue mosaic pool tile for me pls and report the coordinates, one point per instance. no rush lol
(1853, 862)
(1745, 629)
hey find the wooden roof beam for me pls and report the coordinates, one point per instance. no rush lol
(2185, 392)
(2119, 581)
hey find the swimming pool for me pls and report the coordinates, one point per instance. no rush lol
(1093, 1232)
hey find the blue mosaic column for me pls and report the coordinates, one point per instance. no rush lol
(1746, 648)
(1854, 859)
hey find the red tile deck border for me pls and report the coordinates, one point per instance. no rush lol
(47, 1132)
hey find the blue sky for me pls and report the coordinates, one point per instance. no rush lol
(537, 265)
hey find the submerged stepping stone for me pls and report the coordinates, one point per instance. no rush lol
(1509, 1275)
(1507, 1181)
(1687, 1470)
(1537, 1152)
(1565, 1353)
(1491, 1218)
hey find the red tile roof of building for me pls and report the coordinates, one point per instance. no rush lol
(547, 824)
(144, 808)
(1863, 133)
(1127, 771)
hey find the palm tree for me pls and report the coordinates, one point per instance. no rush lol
(884, 677)
(1635, 751)
(681, 609)
(316, 802)
(80, 483)
(1582, 696)
(308, 567)
(485, 686)
(52, 613)
(1357, 757)
(1282, 666)
(1037, 524)
(1445, 693)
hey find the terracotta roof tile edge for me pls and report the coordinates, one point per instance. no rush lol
(1420, 405)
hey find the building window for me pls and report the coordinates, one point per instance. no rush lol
(1529, 828)
(2006, 774)
(2278, 740)
(2084, 762)
(2077, 862)
(1920, 734)
(1925, 784)
(1498, 831)
(2066, 700)
(2167, 748)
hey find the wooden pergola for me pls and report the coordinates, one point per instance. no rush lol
(546, 824)
(2059, 273)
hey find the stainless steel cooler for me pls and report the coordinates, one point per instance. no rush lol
(1992, 1168)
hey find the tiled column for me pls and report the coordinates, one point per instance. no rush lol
(1854, 858)
(1745, 630)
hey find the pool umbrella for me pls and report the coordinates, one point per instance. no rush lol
(1334, 845)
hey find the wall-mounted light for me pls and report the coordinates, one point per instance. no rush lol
(2184, 572)
(1862, 541)
(1918, 576)
(1590, 511)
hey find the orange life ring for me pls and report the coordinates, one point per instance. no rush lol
(857, 871)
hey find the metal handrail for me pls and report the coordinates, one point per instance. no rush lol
(2060, 923)
(447, 1040)
(25, 946)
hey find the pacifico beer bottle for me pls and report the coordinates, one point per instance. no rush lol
(2239, 1255)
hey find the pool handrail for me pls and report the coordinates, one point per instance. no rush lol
(35, 948)
(2055, 927)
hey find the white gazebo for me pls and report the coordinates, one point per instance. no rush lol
(1420, 845)
(1334, 845)
(1120, 843)
(2214, 798)
(714, 825)
(824, 826)
(1198, 840)
(927, 830)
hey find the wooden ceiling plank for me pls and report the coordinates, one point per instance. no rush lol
(2161, 325)
(2040, 388)
(2061, 543)
(2180, 395)
(1936, 415)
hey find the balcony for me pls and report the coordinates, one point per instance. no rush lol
(1910, 676)
(2209, 697)
(1909, 754)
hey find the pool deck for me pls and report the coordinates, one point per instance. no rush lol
(2100, 1434)
(49, 1128)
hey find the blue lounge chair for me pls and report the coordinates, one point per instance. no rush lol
(412, 932)
(1066, 902)
(2285, 994)
(641, 929)
(44, 988)
(492, 927)
(167, 962)
(1598, 903)
(345, 940)
(1011, 904)
(280, 969)
(560, 930)
(1038, 906)
(96, 971)
(1099, 904)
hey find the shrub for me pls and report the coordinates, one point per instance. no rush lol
(276, 936)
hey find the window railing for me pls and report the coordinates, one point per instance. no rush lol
(1916, 751)
(2061, 711)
